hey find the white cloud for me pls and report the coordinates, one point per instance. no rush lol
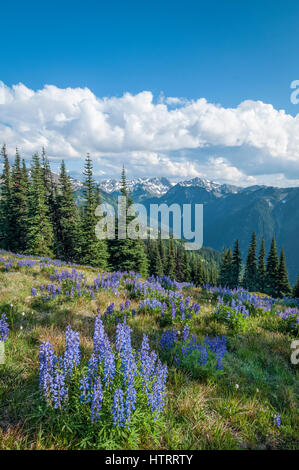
(172, 137)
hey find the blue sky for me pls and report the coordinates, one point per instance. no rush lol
(224, 51)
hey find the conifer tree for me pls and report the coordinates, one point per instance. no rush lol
(6, 232)
(236, 265)
(155, 264)
(19, 208)
(283, 284)
(272, 269)
(68, 224)
(171, 259)
(250, 275)
(225, 277)
(295, 291)
(261, 269)
(161, 250)
(93, 251)
(40, 237)
(51, 195)
(199, 275)
(186, 267)
(127, 254)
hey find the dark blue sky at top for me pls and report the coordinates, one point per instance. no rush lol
(225, 51)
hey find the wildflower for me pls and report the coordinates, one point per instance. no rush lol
(118, 408)
(97, 398)
(4, 328)
(33, 292)
(236, 386)
(277, 421)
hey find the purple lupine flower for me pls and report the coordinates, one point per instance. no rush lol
(4, 328)
(59, 390)
(118, 408)
(277, 421)
(185, 334)
(99, 338)
(33, 292)
(109, 364)
(47, 361)
(97, 398)
(72, 353)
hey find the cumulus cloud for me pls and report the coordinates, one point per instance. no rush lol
(170, 136)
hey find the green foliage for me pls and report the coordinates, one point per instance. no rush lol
(93, 251)
(40, 236)
(250, 275)
(272, 270)
(236, 319)
(283, 285)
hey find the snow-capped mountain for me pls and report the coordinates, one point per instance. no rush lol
(209, 185)
(151, 186)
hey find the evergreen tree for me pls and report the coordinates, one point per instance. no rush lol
(93, 251)
(171, 259)
(40, 236)
(179, 264)
(186, 267)
(6, 231)
(68, 224)
(272, 269)
(19, 208)
(295, 291)
(200, 278)
(236, 265)
(51, 196)
(127, 254)
(283, 284)
(161, 248)
(225, 277)
(155, 264)
(261, 269)
(250, 275)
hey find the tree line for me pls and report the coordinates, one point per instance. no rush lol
(39, 216)
(269, 276)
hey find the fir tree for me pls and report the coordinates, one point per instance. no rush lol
(155, 264)
(68, 225)
(93, 251)
(272, 270)
(40, 236)
(199, 275)
(283, 284)
(236, 265)
(6, 231)
(127, 254)
(295, 291)
(171, 259)
(261, 269)
(186, 267)
(19, 209)
(250, 275)
(225, 277)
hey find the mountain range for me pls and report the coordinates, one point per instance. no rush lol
(230, 212)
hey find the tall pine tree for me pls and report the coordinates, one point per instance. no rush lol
(236, 265)
(127, 254)
(250, 275)
(6, 230)
(68, 224)
(93, 251)
(19, 209)
(272, 270)
(261, 268)
(40, 237)
(283, 284)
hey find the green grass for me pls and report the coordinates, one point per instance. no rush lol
(233, 411)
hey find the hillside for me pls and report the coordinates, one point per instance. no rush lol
(231, 386)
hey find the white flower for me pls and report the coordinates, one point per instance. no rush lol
(237, 386)
(257, 390)
(23, 314)
(21, 327)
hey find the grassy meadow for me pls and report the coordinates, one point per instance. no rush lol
(232, 410)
